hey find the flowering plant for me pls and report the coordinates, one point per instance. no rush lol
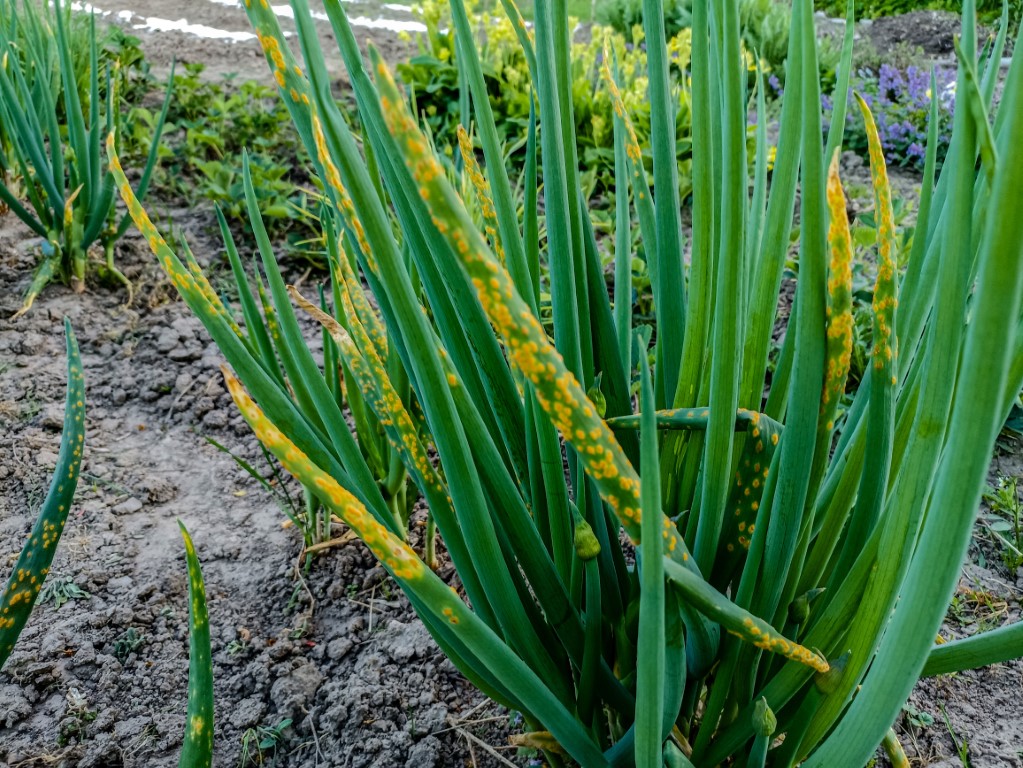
(432, 75)
(900, 99)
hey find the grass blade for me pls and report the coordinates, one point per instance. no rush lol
(503, 202)
(960, 474)
(665, 253)
(725, 368)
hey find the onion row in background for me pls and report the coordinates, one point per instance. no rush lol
(770, 585)
(56, 105)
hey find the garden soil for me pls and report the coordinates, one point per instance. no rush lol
(100, 681)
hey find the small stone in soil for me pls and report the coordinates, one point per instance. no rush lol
(293, 692)
(434, 719)
(128, 507)
(247, 713)
(46, 459)
(338, 648)
(166, 341)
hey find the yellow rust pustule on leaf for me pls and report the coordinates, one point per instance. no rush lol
(33, 564)
(288, 75)
(391, 551)
(557, 390)
(763, 635)
(197, 747)
(394, 553)
(356, 306)
(839, 309)
(632, 149)
(371, 377)
(885, 347)
(188, 279)
(342, 200)
(482, 186)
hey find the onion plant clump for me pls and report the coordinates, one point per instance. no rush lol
(56, 105)
(687, 579)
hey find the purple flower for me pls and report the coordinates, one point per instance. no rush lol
(918, 86)
(890, 82)
(775, 84)
(900, 102)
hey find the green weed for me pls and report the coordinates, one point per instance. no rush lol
(60, 590)
(237, 647)
(76, 719)
(129, 642)
(916, 718)
(961, 745)
(211, 125)
(260, 744)
(1005, 521)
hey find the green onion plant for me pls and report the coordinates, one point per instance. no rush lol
(700, 577)
(56, 105)
(33, 564)
(273, 336)
(197, 743)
